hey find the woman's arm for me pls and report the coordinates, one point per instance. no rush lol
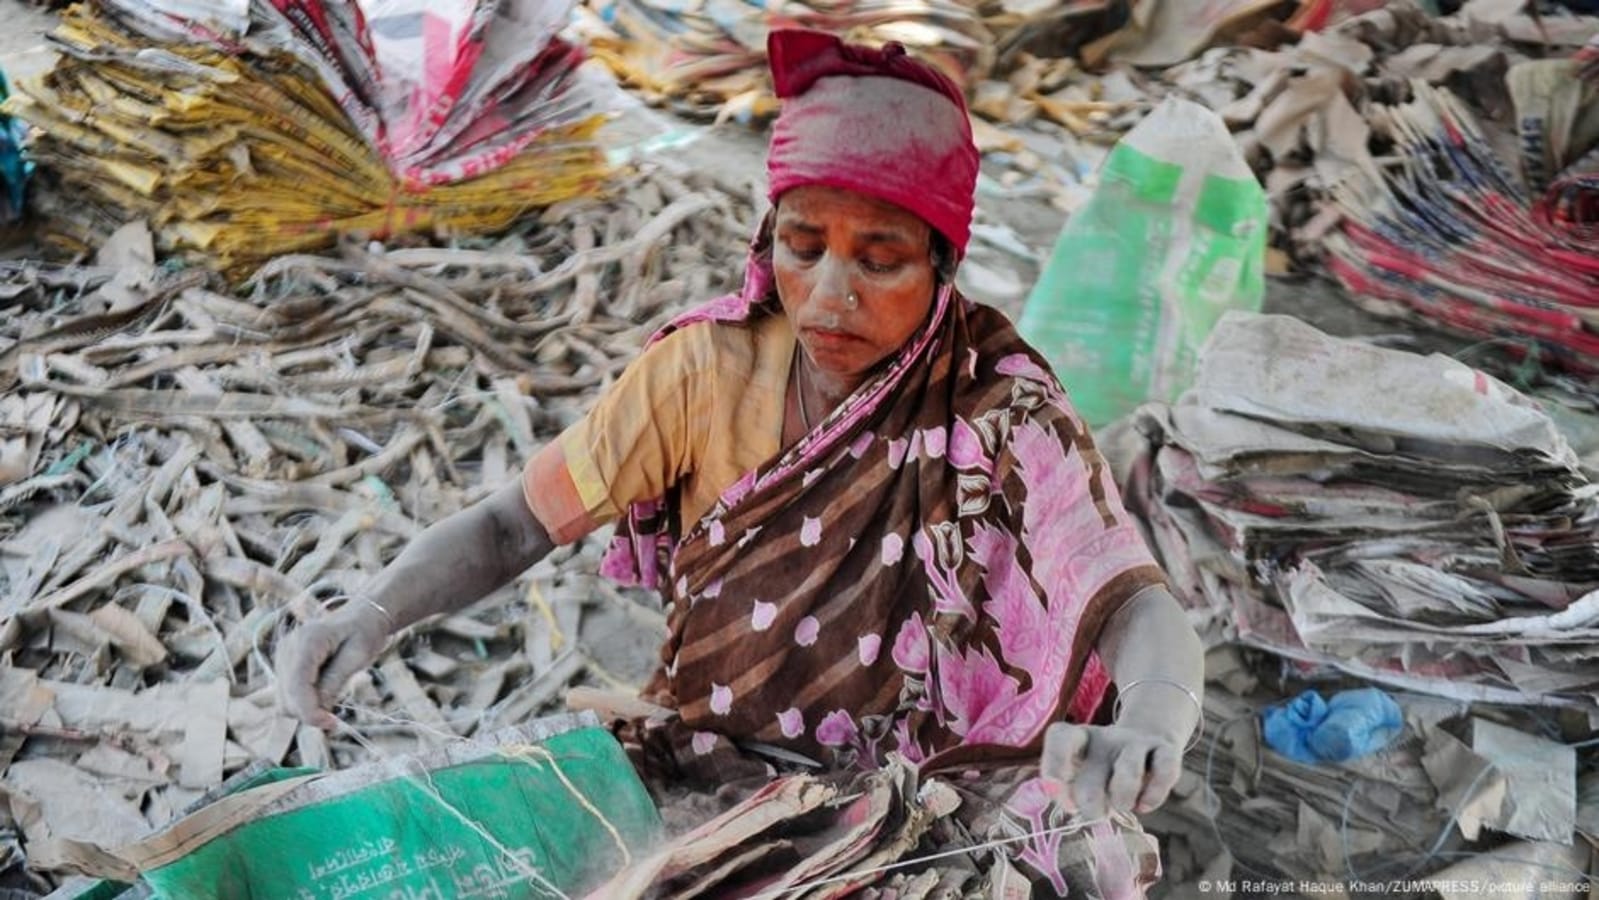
(1149, 645)
(631, 445)
(452, 564)
(462, 558)
(1158, 664)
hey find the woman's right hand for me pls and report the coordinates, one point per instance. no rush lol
(315, 660)
(453, 562)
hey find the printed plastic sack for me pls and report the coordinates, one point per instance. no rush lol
(1173, 237)
(544, 810)
(1557, 117)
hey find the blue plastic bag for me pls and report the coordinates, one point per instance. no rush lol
(1352, 724)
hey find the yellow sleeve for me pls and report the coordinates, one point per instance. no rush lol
(636, 442)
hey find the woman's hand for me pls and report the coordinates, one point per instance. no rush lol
(452, 563)
(316, 659)
(1096, 769)
(1158, 665)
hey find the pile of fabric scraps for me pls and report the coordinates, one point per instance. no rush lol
(707, 58)
(1406, 519)
(1158, 33)
(1457, 789)
(1167, 32)
(247, 130)
(1303, 112)
(1056, 29)
(805, 835)
(1448, 238)
(185, 468)
(893, 833)
(1440, 168)
(1097, 107)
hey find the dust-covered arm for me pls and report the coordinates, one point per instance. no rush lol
(462, 558)
(453, 563)
(1158, 664)
(630, 446)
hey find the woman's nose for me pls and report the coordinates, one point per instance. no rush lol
(832, 285)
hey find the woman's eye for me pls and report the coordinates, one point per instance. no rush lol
(807, 254)
(880, 268)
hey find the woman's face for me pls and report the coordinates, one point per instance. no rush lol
(829, 243)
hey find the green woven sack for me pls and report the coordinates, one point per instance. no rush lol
(544, 810)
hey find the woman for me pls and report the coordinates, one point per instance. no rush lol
(879, 524)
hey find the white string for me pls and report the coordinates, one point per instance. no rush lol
(527, 753)
(430, 789)
(530, 752)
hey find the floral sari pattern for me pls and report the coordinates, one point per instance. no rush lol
(925, 574)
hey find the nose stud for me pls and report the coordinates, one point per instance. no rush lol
(852, 300)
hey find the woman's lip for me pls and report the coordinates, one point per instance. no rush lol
(829, 336)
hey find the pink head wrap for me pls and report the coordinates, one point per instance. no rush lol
(878, 122)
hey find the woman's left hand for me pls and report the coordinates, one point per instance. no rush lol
(1095, 769)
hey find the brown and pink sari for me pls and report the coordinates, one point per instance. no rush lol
(925, 573)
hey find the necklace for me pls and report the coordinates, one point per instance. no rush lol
(799, 387)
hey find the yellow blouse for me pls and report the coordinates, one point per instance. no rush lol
(697, 410)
